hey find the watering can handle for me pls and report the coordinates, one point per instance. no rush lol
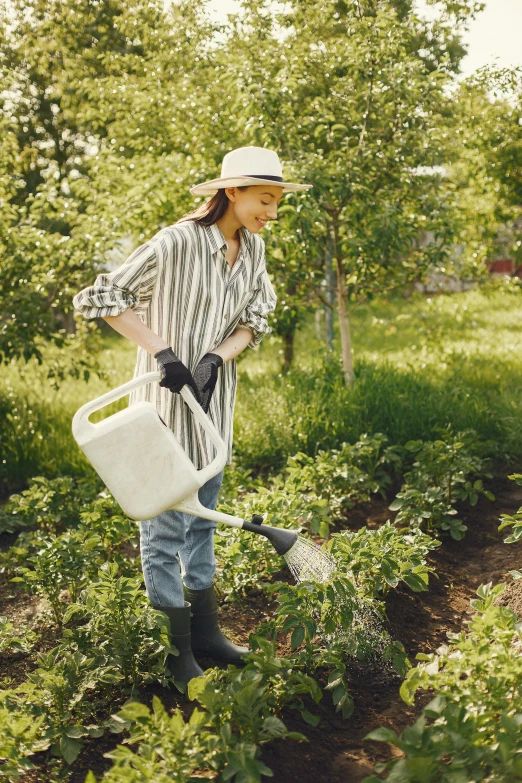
(81, 417)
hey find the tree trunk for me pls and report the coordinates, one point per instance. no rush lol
(288, 355)
(330, 295)
(66, 321)
(342, 307)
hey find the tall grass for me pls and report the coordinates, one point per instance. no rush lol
(421, 365)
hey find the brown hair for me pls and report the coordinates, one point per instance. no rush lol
(212, 210)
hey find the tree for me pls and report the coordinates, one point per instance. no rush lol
(349, 96)
(97, 143)
(486, 164)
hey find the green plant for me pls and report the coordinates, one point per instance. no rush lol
(127, 638)
(428, 509)
(444, 472)
(50, 504)
(471, 728)
(20, 738)
(347, 476)
(332, 624)
(243, 559)
(448, 464)
(56, 696)
(238, 717)
(379, 559)
(169, 748)
(242, 707)
(15, 641)
(63, 562)
(513, 520)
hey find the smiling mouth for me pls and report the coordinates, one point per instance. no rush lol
(261, 222)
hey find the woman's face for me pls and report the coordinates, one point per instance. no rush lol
(256, 205)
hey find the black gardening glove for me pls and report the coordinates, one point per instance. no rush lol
(205, 375)
(175, 374)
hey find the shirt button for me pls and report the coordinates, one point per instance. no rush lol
(226, 317)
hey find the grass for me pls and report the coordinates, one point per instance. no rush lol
(422, 365)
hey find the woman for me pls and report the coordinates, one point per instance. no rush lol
(192, 298)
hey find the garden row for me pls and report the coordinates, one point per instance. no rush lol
(76, 546)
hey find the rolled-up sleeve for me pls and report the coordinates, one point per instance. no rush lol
(262, 302)
(130, 285)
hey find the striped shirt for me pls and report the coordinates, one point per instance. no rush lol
(181, 286)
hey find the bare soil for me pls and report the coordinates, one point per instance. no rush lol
(336, 751)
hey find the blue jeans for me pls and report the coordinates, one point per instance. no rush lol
(175, 544)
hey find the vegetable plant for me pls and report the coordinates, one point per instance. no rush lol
(126, 637)
(513, 520)
(471, 729)
(379, 559)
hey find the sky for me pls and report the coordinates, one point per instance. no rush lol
(494, 36)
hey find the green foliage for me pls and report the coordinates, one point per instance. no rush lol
(170, 748)
(12, 640)
(58, 697)
(363, 118)
(444, 472)
(345, 477)
(243, 562)
(49, 504)
(67, 148)
(238, 717)
(422, 364)
(48, 564)
(245, 701)
(127, 638)
(20, 738)
(486, 157)
(378, 560)
(471, 728)
(65, 562)
(513, 520)
(120, 645)
(447, 464)
(244, 559)
(332, 624)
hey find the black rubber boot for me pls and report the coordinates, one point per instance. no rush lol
(207, 639)
(184, 666)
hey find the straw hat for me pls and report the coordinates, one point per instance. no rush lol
(248, 166)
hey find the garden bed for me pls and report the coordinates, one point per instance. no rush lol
(336, 750)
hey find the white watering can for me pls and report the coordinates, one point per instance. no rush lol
(145, 468)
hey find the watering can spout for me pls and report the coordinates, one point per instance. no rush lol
(282, 540)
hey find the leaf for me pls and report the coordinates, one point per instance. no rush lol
(75, 732)
(400, 773)
(435, 707)
(347, 706)
(196, 687)
(70, 748)
(313, 720)
(338, 693)
(274, 726)
(297, 637)
(382, 734)
(134, 710)
(289, 623)
(415, 582)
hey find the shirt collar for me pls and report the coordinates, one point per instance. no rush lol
(216, 239)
